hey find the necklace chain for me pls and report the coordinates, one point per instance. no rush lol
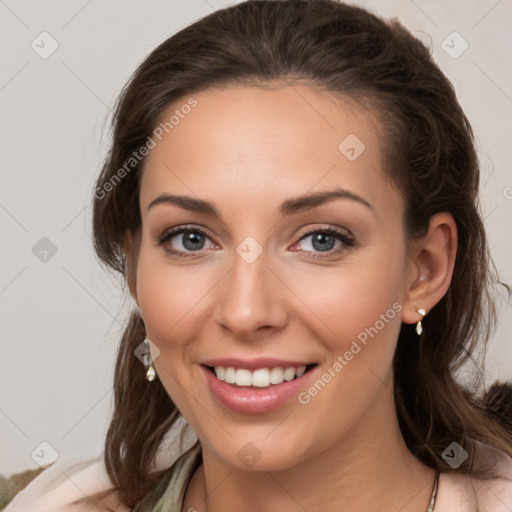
(432, 502)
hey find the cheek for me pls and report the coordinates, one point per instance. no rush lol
(169, 298)
(360, 308)
(358, 296)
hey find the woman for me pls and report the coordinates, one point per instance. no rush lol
(291, 195)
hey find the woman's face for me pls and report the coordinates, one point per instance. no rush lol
(261, 285)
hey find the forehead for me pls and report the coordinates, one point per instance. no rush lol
(246, 142)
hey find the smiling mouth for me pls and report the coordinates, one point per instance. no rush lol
(260, 378)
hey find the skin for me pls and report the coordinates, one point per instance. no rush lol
(247, 149)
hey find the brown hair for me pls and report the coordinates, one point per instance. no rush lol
(348, 51)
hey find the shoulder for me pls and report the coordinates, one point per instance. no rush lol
(463, 493)
(67, 486)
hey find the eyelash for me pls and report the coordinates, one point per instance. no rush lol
(347, 240)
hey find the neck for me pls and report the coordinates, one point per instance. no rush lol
(368, 468)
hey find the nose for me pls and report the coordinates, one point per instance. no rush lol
(250, 299)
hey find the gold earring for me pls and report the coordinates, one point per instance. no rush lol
(150, 373)
(419, 327)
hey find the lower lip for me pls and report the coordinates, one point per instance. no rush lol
(255, 400)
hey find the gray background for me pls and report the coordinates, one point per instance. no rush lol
(61, 314)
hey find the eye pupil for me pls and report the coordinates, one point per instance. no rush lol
(320, 237)
(190, 238)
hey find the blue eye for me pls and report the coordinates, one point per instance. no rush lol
(193, 241)
(324, 240)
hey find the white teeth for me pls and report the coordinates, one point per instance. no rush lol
(229, 375)
(276, 376)
(261, 378)
(300, 371)
(243, 377)
(289, 373)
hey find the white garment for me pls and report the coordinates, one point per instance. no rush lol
(57, 487)
(64, 482)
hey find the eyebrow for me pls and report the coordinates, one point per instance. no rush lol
(288, 207)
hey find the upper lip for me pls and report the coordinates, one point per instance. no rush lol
(254, 364)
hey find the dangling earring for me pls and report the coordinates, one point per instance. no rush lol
(419, 327)
(150, 373)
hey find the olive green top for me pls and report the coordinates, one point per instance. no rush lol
(169, 494)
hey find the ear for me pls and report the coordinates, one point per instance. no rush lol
(130, 250)
(430, 267)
